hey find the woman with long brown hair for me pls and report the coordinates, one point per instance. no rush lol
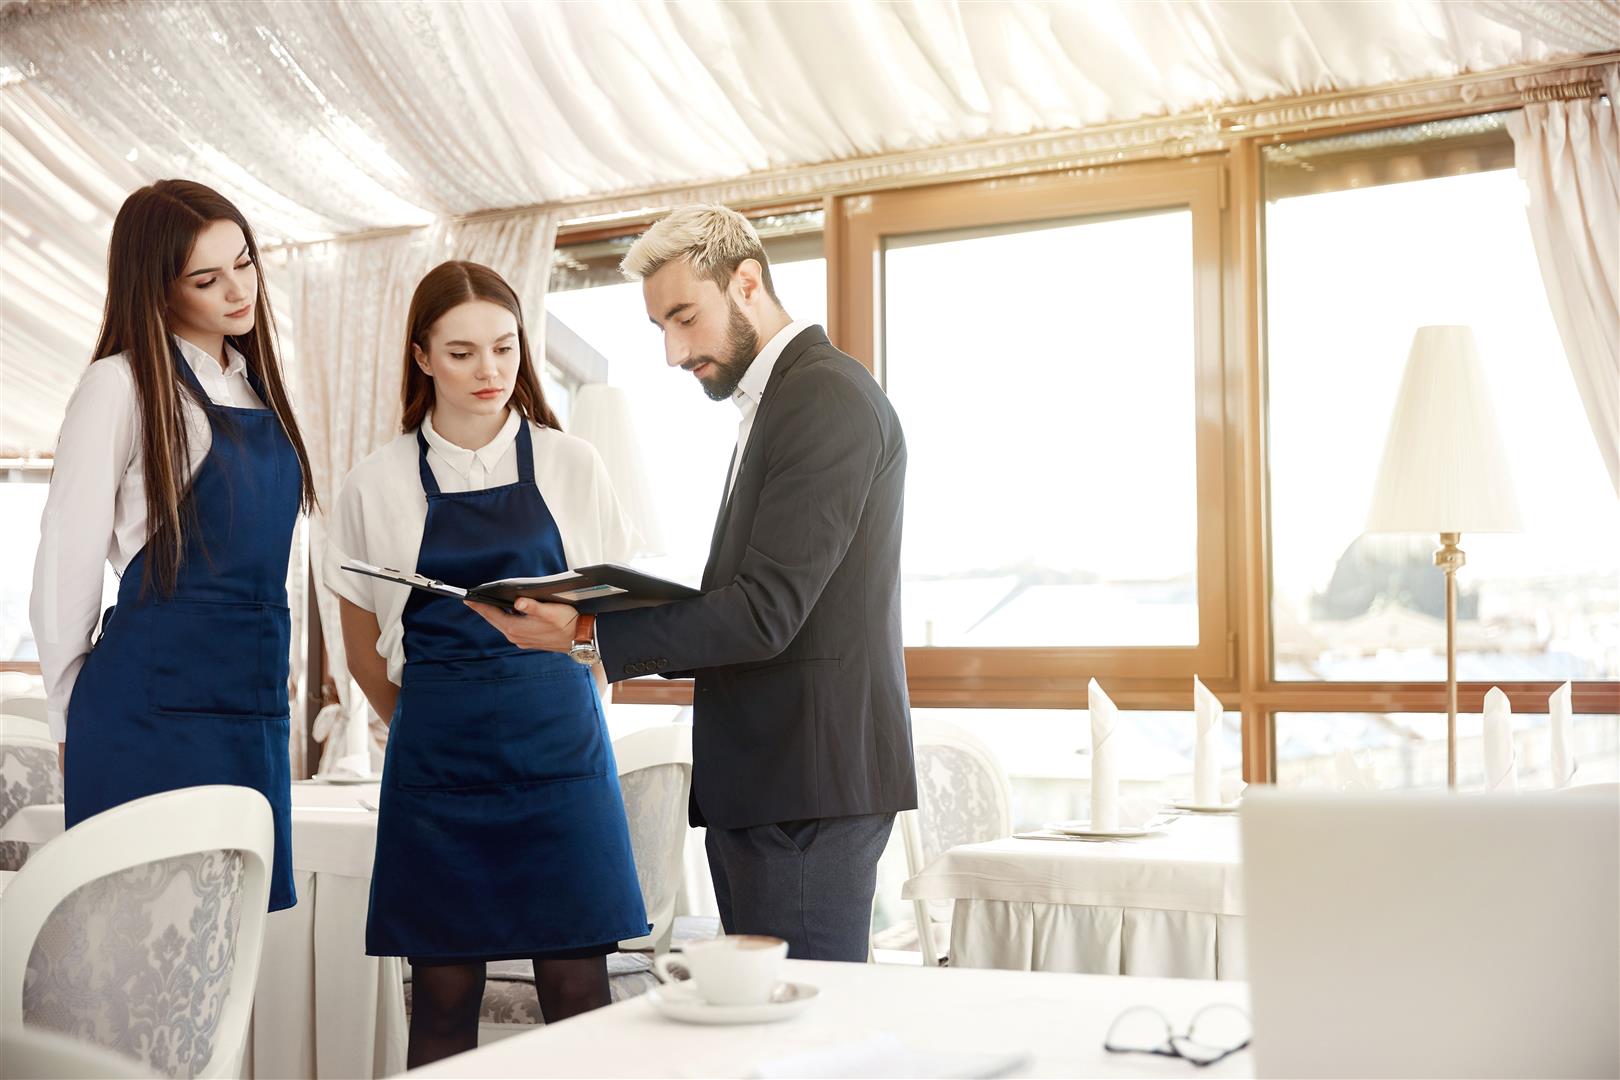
(502, 832)
(180, 463)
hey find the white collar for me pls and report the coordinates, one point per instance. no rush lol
(203, 363)
(460, 458)
(751, 387)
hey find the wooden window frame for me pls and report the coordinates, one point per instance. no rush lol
(1049, 677)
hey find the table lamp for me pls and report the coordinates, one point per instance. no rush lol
(1444, 471)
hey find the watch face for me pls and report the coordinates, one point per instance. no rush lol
(584, 654)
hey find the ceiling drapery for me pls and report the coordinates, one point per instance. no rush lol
(325, 119)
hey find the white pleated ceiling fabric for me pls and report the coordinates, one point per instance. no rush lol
(321, 119)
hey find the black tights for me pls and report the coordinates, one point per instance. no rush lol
(445, 1001)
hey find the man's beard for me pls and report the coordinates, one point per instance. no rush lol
(742, 345)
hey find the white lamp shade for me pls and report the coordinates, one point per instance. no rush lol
(600, 415)
(1444, 467)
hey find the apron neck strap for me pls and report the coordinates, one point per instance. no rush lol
(525, 458)
(430, 486)
(525, 451)
(183, 366)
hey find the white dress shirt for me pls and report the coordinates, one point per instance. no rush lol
(751, 389)
(380, 514)
(96, 510)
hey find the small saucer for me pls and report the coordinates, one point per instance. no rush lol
(1199, 808)
(1082, 827)
(345, 779)
(679, 1001)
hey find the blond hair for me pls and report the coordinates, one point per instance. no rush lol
(713, 239)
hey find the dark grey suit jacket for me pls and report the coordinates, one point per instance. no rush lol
(800, 708)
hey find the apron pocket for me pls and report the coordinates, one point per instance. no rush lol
(470, 734)
(216, 657)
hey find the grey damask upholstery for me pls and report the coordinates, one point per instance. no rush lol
(139, 961)
(657, 833)
(29, 775)
(956, 799)
(509, 996)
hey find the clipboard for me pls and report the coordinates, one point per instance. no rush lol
(590, 589)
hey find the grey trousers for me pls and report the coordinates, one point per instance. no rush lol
(807, 882)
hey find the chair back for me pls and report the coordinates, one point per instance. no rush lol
(140, 929)
(19, 684)
(1431, 934)
(31, 706)
(33, 1053)
(963, 796)
(655, 774)
(29, 775)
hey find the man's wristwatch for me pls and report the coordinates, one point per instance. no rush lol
(583, 650)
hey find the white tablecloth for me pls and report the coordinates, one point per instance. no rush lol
(1059, 1020)
(323, 1008)
(1163, 906)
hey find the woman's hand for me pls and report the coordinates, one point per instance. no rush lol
(547, 627)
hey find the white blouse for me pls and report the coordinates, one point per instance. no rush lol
(380, 514)
(95, 512)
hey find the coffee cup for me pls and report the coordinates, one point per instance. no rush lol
(737, 969)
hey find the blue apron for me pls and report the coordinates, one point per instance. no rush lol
(191, 689)
(502, 830)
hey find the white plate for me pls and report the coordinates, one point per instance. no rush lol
(679, 1001)
(345, 779)
(1082, 827)
(1200, 808)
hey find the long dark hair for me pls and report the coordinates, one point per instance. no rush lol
(152, 238)
(446, 286)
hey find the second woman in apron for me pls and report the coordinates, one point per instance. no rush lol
(502, 832)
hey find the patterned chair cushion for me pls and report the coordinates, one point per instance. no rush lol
(28, 775)
(656, 810)
(509, 996)
(955, 799)
(140, 961)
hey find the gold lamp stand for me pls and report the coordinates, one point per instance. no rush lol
(1450, 559)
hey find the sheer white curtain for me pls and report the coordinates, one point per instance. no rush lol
(345, 339)
(1569, 155)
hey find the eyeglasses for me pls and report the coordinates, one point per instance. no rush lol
(1216, 1032)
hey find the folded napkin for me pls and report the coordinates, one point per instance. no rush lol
(348, 742)
(1104, 777)
(1207, 712)
(1353, 775)
(886, 1056)
(1563, 745)
(1501, 765)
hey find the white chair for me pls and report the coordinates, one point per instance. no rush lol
(963, 797)
(174, 885)
(655, 774)
(20, 684)
(31, 706)
(29, 775)
(33, 1053)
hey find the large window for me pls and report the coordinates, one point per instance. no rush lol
(685, 439)
(1367, 238)
(1052, 346)
(1045, 377)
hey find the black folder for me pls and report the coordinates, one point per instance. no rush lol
(591, 589)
